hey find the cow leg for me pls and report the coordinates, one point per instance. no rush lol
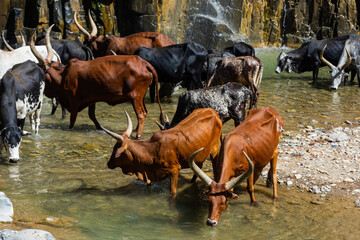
(54, 105)
(37, 120)
(140, 111)
(316, 72)
(174, 176)
(273, 173)
(91, 114)
(250, 188)
(63, 112)
(20, 123)
(73, 116)
(358, 75)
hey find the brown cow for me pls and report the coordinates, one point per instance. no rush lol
(110, 79)
(102, 46)
(247, 70)
(166, 152)
(258, 136)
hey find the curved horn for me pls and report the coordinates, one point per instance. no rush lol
(242, 177)
(114, 135)
(23, 40)
(197, 170)
(6, 43)
(35, 52)
(114, 53)
(348, 60)
(160, 125)
(93, 26)
(130, 125)
(48, 45)
(80, 27)
(324, 60)
(167, 118)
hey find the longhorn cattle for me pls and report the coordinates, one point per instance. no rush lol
(102, 45)
(110, 79)
(166, 152)
(257, 139)
(67, 49)
(349, 59)
(229, 101)
(307, 57)
(176, 63)
(246, 70)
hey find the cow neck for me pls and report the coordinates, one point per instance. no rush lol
(143, 151)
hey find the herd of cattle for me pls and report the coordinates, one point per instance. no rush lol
(221, 84)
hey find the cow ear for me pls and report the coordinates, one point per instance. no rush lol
(119, 152)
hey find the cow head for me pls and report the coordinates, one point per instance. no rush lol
(11, 139)
(219, 194)
(337, 72)
(284, 63)
(98, 45)
(121, 156)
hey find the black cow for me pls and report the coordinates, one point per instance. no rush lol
(176, 63)
(229, 101)
(10, 132)
(67, 49)
(307, 57)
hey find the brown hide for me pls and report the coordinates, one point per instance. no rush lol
(258, 136)
(166, 152)
(110, 79)
(245, 70)
(102, 46)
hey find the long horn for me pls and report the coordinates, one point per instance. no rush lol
(348, 60)
(48, 45)
(167, 118)
(23, 40)
(114, 53)
(114, 135)
(80, 27)
(160, 125)
(242, 177)
(197, 170)
(35, 52)
(93, 26)
(324, 60)
(130, 125)
(6, 44)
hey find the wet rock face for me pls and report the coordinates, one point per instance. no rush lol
(213, 23)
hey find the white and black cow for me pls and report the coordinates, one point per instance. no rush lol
(10, 133)
(229, 101)
(29, 84)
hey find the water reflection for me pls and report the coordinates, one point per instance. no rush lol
(63, 174)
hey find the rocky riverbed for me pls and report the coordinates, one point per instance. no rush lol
(323, 161)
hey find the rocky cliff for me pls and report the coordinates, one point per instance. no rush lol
(213, 23)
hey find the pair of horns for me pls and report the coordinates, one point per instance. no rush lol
(93, 26)
(127, 133)
(330, 64)
(230, 184)
(8, 45)
(162, 127)
(50, 51)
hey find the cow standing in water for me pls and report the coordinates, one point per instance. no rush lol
(256, 138)
(166, 152)
(102, 46)
(110, 79)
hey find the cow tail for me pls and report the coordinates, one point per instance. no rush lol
(207, 70)
(155, 78)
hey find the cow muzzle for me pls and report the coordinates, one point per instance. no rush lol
(211, 223)
(278, 70)
(14, 160)
(111, 165)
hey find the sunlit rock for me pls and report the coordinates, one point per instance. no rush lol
(6, 208)
(28, 234)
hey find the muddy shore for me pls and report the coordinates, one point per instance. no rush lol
(322, 160)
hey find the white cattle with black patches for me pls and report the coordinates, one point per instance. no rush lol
(230, 101)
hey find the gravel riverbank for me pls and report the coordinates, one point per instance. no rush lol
(322, 161)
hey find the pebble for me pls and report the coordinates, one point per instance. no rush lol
(349, 180)
(357, 203)
(289, 183)
(28, 234)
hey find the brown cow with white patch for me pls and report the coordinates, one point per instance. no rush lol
(246, 70)
(102, 46)
(110, 79)
(256, 138)
(166, 152)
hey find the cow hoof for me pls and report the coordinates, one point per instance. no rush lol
(14, 160)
